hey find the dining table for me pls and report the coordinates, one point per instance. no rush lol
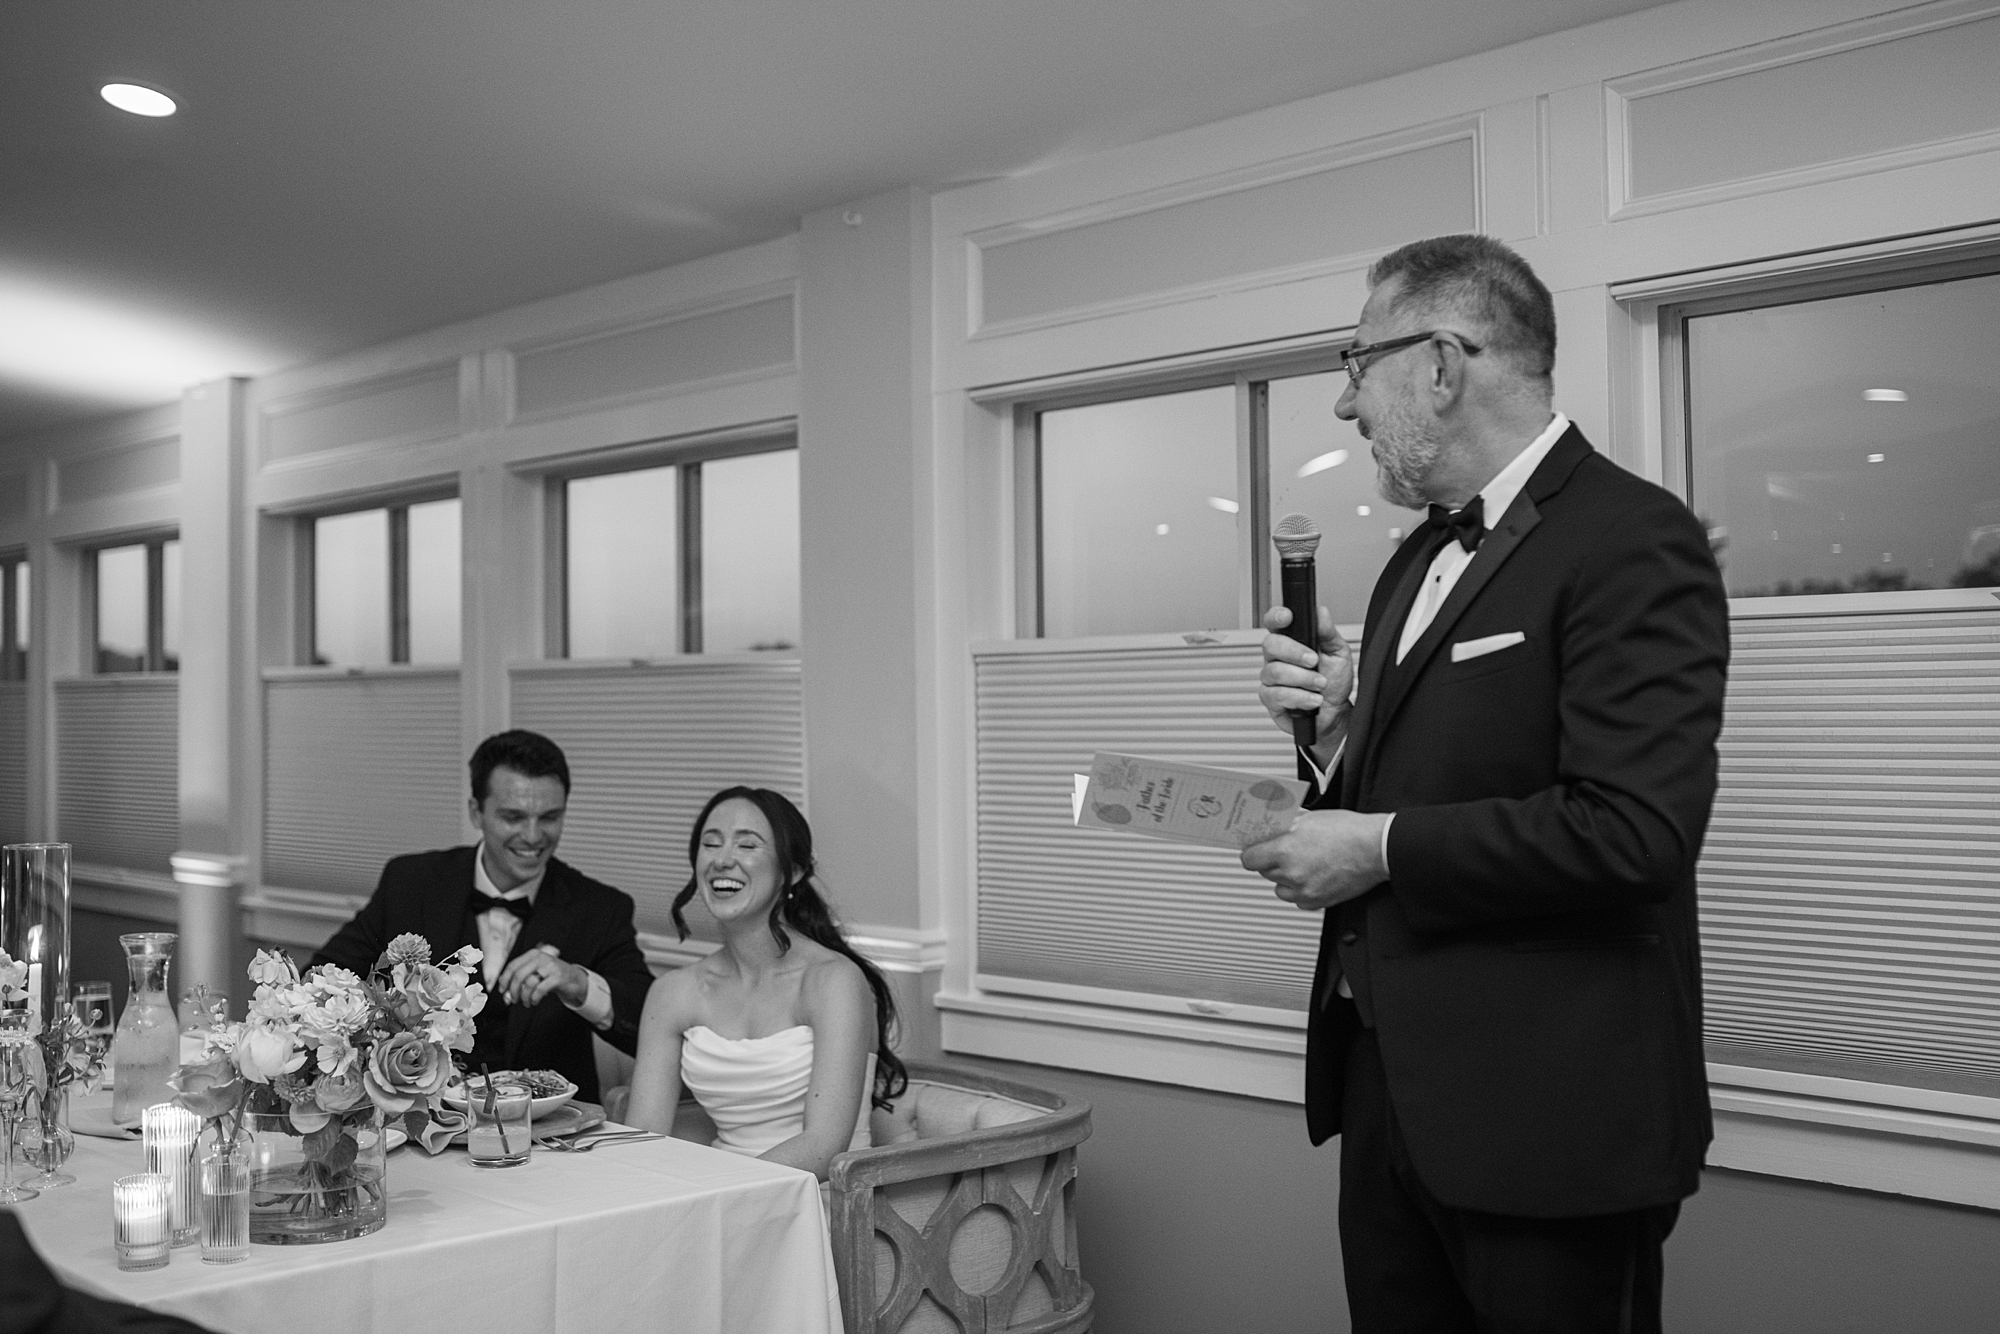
(637, 1235)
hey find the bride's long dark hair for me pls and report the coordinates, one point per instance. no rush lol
(802, 908)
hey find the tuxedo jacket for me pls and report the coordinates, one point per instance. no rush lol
(1531, 967)
(429, 893)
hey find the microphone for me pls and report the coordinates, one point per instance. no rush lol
(1297, 539)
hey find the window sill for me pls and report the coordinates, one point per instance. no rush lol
(1886, 1138)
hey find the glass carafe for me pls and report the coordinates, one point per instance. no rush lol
(147, 1047)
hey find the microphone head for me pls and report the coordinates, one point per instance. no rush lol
(1296, 537)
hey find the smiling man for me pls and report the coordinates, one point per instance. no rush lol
(561, 957)
(1505, 1026)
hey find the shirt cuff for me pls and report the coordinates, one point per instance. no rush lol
(1325, 776)
(1385, 842)
(596, 1007)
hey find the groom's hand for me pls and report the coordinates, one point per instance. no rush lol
(1326, 857)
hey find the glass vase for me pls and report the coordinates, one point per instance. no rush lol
(34, 923)
(225, 1203)
(330, 1185)
(46, 1140)
(147, 1048)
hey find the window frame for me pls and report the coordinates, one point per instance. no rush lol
(13, 656)
(686, 458)
(305, 590)
(156, 617)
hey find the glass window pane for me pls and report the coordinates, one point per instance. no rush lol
(1133, 539)
(121, 609)
(1321, 467)
(750, 552)
(170, 605)
(351, 588)
(21, 619)
(435, 586)
(624, 565)
(1850, 444)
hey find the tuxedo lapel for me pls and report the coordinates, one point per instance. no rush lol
(1378, 648)
(447, 922)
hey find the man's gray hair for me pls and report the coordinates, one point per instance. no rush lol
(1483, 281)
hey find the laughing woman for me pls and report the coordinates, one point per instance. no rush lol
(782, 1035)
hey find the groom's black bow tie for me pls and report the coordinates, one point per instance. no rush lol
(1468, 525)
(483, 902)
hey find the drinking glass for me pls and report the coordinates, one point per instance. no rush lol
(91, 1002)
(15, 1087)
(225, 1204)
(501, 1134)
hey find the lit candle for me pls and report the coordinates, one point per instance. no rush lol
(139, 1221)
(169, 1133)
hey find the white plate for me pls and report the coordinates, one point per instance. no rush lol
(537, 1108)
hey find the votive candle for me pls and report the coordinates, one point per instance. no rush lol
(139, 1221)
(169, 1135)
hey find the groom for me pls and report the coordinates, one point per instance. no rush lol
(1505, 1024)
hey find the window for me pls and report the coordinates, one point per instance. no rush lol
(136, 606)
(13, 618)
(1140, 520)
(696, 556)
(1843, 435)
(1849, 444)
(385, 585)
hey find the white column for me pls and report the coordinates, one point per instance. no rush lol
(218, 591)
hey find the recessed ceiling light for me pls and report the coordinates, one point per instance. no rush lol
(138, 100)
(1331, 459)
(1226, 506)
(1885, 396)
(1876, 458)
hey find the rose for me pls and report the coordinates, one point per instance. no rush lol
(404, 1068)
(446, 989)
(209, 1089)
(337, 1093)
(264, 1051)
(273, 969)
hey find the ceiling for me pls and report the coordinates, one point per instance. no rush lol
(346, 171)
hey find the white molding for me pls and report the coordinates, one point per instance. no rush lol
(1233, 638)
(682, 661)
(300, 917)
(1865, 604)
(1234, 180)
(1263, 1016)
(1942, 246)
(272, 410)
(378, 671)
(121, 892)
(893, 949)
(1621, 92)
(208, 870)
(1781, 1138)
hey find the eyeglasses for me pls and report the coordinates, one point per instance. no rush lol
(1355, 360)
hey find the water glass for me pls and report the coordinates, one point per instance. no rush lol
(139, 1221)
(91, 1003)
(225, 1204)
(501, 1133)
(169, 1142)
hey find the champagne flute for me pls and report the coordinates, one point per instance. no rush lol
(15, 1086)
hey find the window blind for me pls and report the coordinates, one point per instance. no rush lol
(359, 769)
(648, 745)
(13, 762)
(118, 779)
(1092, 908)
(1851, 877)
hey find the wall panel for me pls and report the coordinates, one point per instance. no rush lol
(740, 339)
(114, 472)
(421, 404)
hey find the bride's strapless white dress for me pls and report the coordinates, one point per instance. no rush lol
(754, 1089)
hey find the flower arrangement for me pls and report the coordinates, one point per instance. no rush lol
(62, 1052)
(324, 1053)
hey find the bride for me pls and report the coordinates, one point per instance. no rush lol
(782, 1035)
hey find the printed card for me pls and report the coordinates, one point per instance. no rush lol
(1188, 802)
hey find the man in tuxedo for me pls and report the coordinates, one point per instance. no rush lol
(1505, 1024)
(561, 959)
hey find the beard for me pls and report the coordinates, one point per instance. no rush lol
(1406, 448)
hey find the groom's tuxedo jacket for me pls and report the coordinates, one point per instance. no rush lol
(1531, 968)
(429, 893)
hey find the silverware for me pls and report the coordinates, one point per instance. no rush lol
(585, 1143)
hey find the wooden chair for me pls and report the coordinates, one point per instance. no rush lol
(961, 1220)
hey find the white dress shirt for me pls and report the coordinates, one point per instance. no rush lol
(499, 929)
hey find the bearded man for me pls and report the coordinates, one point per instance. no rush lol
(1505, 1024)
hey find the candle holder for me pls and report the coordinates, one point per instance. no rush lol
(139, 1221)
(169, 1135)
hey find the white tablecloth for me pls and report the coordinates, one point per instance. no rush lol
(664, 1235)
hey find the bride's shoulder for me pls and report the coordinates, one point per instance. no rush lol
(832, 976)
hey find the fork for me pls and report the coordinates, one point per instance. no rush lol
(585, 1143)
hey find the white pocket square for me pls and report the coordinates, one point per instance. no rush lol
(1479, 648)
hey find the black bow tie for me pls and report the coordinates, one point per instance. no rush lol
(1468, 525)
(484, 902)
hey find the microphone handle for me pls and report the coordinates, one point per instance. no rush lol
(1297, 584)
